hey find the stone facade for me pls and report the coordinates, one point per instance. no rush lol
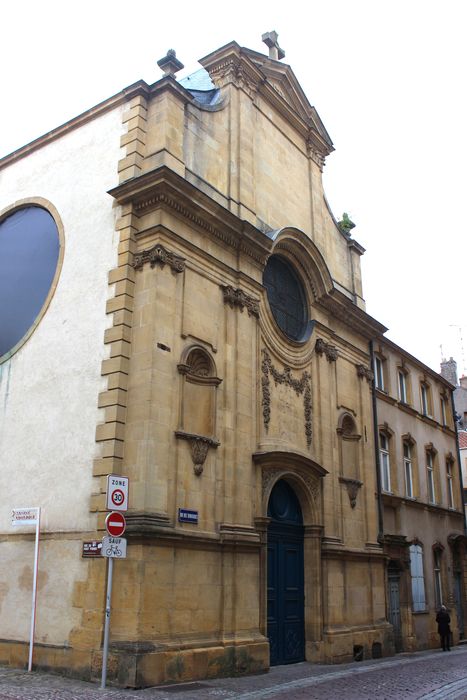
(421, 496)
(195, 392)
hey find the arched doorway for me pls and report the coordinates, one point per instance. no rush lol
(285, 577)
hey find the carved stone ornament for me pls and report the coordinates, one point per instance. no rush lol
(199, 446)
(272, 474)
(158, 255)
(353, 486)
(363, 371)
(323, 348)
(300, 386)
(234, 70)
(316, 156)
(237, 297)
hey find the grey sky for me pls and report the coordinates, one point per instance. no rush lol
(387, 78)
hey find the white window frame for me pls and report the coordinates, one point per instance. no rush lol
(443, 411)
(402, 383)
(408, 470)
(425, 399)
(449, 479)
(418, 579)
(378, 368)
(438, 578)
(430, 477)
(385, 463)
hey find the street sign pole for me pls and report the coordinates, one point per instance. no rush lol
(115, 525)
(105, 650)
(108, 597)
(34, 589)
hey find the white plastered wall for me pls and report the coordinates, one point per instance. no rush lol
(49, 387)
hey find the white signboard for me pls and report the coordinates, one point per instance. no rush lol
(24, 516)
(117, 492)
(114, 547)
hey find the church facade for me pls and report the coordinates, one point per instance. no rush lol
(204, 333)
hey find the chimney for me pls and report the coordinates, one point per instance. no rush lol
(449, 370)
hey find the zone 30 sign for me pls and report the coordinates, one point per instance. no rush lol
(117, 492)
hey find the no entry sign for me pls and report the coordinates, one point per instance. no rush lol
(117, 492)
(115, 524)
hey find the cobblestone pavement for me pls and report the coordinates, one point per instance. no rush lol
(430, 675)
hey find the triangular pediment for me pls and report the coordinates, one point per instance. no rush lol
(275, 80)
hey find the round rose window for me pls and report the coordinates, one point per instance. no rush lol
(286, 297)
(29, 254)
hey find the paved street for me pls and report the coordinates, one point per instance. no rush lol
(431, 675)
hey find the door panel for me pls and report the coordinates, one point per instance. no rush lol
(285, 596)
(394, 611)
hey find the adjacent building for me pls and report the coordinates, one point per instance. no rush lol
(420, 497)
(197, 324)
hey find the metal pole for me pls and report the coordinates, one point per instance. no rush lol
(34, 588)
(107, 621)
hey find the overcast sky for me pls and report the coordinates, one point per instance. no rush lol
(388, 79)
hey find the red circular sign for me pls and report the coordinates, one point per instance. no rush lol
(118, 497)
(115, 524)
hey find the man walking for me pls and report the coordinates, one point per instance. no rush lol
(444, 631)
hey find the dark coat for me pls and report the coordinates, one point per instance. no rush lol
(443, 620)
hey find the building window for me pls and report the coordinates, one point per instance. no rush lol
(286, 297)
(402, 382)
(443, 411)
(31, 252)
(437, 572)
(418, 581)
(430, 477)
(378, 368)
(385, 464)
(450, 480)
(409, 490)
(425, 399)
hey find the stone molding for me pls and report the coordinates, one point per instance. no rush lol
(364, 371)
(353, 486)
(300, 386)
(163, 188)
(324, 348)
(270, 475)
(199, 446)
(158, 255)
(238, 298)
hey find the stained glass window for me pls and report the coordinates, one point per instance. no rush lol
(286, 297)
(29, 251)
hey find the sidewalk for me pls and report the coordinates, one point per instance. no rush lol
(428, 674)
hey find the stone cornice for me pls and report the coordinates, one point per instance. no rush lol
(394, 501)
(163, 188)
(340, 306)
(280, 457)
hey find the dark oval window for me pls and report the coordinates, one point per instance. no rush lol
(286, 297)
(29, 253)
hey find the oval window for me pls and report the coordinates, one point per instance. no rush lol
(29, 253)
(286, 297)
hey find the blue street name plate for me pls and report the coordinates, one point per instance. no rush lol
(187, 516)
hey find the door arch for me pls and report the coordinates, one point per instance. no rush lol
(285, 604)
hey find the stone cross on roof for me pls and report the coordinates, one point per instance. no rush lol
(275, 51)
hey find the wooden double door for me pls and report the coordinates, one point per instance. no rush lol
(285, 577)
